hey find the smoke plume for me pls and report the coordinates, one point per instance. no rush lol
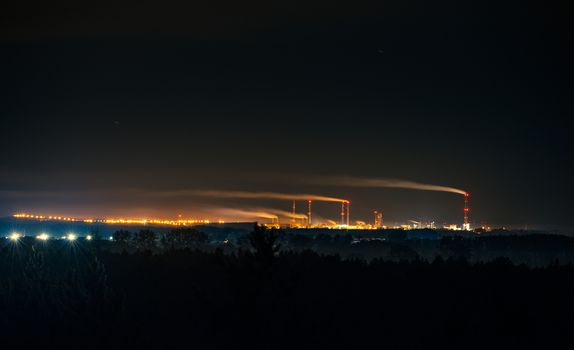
(331, 223)
(245, 213)
(286, 213)
(348, 181)
(247, 195)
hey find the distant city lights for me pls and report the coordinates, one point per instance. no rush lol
(115, 221)
(43, 237)
(325, 224)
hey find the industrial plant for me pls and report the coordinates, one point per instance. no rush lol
(272, 218)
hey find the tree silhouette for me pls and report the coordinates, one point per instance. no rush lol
(145, 239)
(456, 247)
(197, 295)
(264, 244)
(122, 236)
(183, 238)
(299, 241)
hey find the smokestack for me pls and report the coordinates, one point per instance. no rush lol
(348, 213)
(466, 225)
(378, 220)
(310, 214)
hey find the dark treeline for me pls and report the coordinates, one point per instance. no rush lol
(535, 250)
(267, 291)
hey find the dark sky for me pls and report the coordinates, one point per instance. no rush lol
(100, 97)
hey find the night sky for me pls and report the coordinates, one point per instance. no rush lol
(103, 102)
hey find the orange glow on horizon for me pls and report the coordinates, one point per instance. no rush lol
(120, 221)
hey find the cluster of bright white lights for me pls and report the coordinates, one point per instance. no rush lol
(15, 237)
(71, 237)
(43, 237)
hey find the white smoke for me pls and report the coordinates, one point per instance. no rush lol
(246, 195)
(349, 181)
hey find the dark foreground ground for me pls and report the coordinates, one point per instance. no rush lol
(89, 295)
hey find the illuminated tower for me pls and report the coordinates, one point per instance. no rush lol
(310, 214)
(466, 225)
(378, 220)
(342, 214)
